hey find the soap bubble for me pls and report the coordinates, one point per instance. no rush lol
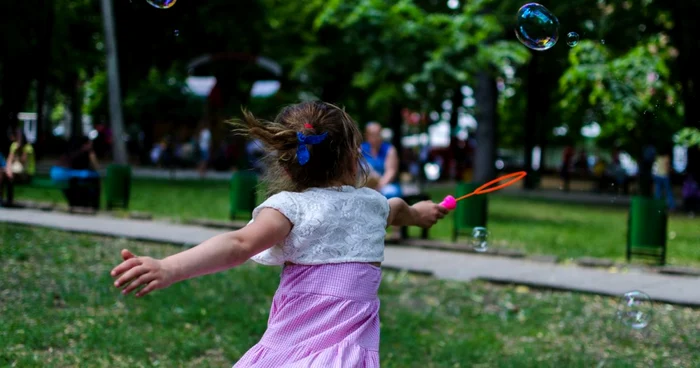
(162, 4)
(572, 39)
(635, 310)
(537, 28)
(480, 238)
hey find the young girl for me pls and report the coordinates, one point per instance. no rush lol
(326, 232)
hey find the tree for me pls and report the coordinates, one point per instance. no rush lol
(631, 95)
(19, 25)
(115, 108)
(470, 51)
(415, 58)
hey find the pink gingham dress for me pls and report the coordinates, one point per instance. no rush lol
(325, 312)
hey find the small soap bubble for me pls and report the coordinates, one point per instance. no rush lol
(162, 4)
(176, 33)
(602, 41)
(536, 27)
(635, 310)
(572, 39)
(480, 237)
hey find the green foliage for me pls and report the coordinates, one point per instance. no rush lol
(390, 39)
(404, 53)
(631, 96)
(689, 137)
(77, 45)
(374, 55)
(160, 97)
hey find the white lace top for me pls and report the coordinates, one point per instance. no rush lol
(330, 225)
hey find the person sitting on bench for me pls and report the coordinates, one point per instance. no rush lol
(383, 161)
(79, 167)
(19, 168)
(383, 165)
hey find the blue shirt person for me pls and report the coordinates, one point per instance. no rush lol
(383, 161)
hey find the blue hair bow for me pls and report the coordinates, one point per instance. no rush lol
(302, 151)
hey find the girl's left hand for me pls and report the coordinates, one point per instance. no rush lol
(139, 271)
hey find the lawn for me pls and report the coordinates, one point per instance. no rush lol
(59, 309)
(536, 227)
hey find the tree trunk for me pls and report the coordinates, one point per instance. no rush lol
(486, 95)
(115, 109)
(76, 113)
(15, 90)
(454, 146)
(44, 47)
(532, 115)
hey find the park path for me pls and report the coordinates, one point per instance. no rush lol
(683, 290)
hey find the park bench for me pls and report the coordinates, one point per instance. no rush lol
(46, 183)
(42, 183)
(117, 189)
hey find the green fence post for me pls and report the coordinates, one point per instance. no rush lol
(242, 194)
(470, 212)
(646, 228)
(118, 186)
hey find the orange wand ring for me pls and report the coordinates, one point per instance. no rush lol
(451, 203)
(485, 188)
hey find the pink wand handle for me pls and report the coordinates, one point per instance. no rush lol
(449, 202)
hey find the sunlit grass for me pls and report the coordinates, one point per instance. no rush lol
(59, 309)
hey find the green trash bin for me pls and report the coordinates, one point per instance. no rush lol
(243, 195)
(646, 229)
(470, 212)
(118, 186)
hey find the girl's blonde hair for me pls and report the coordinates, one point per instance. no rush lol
(336, 160)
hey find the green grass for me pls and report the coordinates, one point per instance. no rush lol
(536, 227)
(59, 309)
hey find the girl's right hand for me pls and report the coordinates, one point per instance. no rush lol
(141, 271)
(427, 213)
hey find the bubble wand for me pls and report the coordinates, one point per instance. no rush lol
(450, 202)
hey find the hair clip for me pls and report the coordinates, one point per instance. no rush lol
(303, 151)
(308, 126)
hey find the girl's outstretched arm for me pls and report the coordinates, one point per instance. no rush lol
(424, 214)
(216, 254)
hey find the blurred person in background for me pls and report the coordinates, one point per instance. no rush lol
(204, 145)
(383, 162)
(662, 178)
(79, 166)
(19, 168)
(691, 195)
(581, 163)
(566, 166)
